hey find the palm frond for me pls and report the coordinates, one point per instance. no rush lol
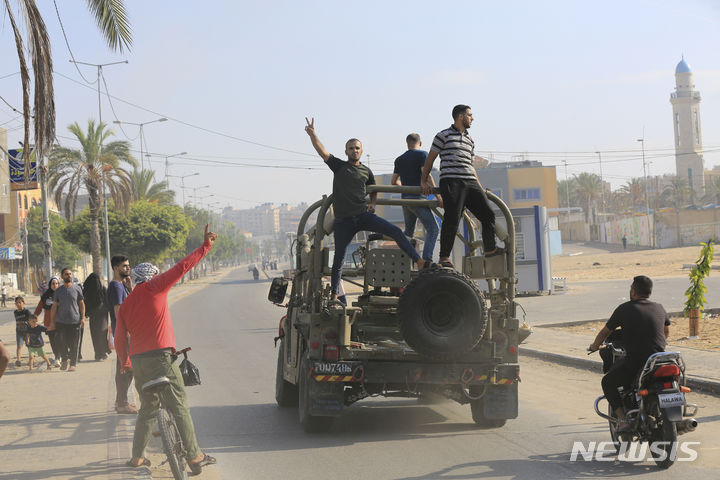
(112, 20)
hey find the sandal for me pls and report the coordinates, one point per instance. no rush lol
(447, 264)
(196, 468)
(129, 409)
(144, 463)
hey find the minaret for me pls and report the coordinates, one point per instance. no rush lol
(685, 102)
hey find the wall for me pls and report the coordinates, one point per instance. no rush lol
(636, 227)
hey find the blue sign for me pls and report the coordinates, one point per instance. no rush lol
(17, 172)
(7, 253)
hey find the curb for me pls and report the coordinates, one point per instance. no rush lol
(696, 383)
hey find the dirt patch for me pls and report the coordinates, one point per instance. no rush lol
(667, 262)
(709, 338)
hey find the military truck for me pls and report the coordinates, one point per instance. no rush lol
(409, 333)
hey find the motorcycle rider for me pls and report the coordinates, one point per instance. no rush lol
(645, 326)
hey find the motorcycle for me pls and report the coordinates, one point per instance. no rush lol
(654, 405)
(256, 274)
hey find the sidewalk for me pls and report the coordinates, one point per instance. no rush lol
(62, 425)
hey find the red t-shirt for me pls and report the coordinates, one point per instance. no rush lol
(145, 313)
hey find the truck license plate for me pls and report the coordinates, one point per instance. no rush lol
(671, 399)
(332, 369)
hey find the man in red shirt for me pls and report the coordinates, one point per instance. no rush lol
(145, 316)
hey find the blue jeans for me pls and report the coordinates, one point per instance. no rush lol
(345, 229)
(412, 214)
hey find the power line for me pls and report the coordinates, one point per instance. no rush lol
(197, 127)
(112, 109)
(62, 27)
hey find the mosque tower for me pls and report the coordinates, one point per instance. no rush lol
(685, 102)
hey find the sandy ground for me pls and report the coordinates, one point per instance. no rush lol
(707, 340)
(586, 262)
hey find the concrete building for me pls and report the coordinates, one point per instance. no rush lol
(261, 220)
(685, 102)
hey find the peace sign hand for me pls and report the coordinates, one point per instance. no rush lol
(310, 127)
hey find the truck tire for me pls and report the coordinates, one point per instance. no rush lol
(477, 408)
(286, 394)
(442, 314)
(310, 423)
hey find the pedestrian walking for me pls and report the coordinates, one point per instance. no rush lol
(45, 306)
(408, 172)
(35, 342)
(353, 213)
(68, 314)
(3, 295)
(459, 184)
(144, 316)
(22, 315)
(118, 290)
(624, 241)
(96, 310)
(4, 358)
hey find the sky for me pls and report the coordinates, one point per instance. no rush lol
(551, 81)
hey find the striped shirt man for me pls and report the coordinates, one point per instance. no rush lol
(456, 150)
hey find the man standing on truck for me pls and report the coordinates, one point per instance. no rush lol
(353, 213)
(408, 172)
(459, 184)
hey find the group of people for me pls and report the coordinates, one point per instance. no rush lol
(459, 189)
(141, 332)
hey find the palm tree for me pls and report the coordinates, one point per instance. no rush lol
(712, 189)
(147, 189)
(111, 18)
(634, 192)
(588, 187)
(96, 169)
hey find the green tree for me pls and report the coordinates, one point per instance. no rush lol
(588, 190)
(148, 233)
(634, 192)
(64, 253)
(95, 168)
(111, 18)
(147, 189)
(675, 194)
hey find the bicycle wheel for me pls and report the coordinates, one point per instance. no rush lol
(172, 444)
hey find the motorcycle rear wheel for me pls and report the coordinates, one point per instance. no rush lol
(667, 432)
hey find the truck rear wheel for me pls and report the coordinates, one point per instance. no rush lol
(286, 394)
(310, 423)
(442, 314)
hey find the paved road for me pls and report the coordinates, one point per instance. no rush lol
(230, 327)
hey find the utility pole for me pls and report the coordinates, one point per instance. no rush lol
(567, 189)
(99, 67)
(647, 200)
(602, 185)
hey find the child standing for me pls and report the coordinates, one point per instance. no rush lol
(22, 315)
(35, 341)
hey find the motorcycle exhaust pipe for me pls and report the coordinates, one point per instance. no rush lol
(687, 425)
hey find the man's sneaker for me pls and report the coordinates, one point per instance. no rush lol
(56, 363)
(64, 365)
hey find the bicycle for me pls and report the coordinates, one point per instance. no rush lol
(169, 433)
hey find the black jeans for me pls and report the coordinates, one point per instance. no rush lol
(52, 336)
(621, 374)
(99, 333)
(457, 195)
(68, 342)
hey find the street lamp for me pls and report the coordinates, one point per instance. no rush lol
(182, 180)
(141, 125)
(647, 200)
(204, 197)
(195, 189)
(167, 163)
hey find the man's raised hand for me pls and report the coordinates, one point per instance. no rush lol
(310, 127)
(210, 237)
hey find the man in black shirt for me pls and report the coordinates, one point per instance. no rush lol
(645, 327)
(353, 213)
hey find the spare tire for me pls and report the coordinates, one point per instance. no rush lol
(442, 314)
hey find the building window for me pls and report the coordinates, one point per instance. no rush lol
(26, 204)
(697, 129)
(4, 190)
(523, 194)
(677, 127)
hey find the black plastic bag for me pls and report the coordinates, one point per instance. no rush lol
(190, 373)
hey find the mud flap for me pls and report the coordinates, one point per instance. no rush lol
(325, 398)
(501, 401)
